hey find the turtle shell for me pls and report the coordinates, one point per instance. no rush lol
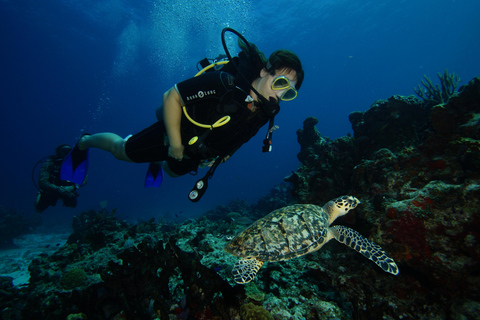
(283, 234)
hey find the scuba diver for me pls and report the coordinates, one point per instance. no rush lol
(204, 120)
(50, 186)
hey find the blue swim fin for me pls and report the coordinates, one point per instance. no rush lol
(154, 176)
(75, 166)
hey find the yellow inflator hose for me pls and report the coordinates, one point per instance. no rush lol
(220, 122)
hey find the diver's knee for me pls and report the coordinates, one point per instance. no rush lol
(118, 150)
(84, 142)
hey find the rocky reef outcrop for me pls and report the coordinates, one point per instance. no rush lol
(14, 224)
(414, 165)
(112, 270)
(109, 269)
(416, 168)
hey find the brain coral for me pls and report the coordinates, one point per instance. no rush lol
(250, 311)
(73, 278)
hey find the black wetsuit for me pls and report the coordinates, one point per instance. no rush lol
(207, 98)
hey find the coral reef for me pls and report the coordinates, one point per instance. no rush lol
(250, 311)
(77, 316)
(109, 269)
(73, 278)
(394, 124)
(14, 224)
(279, 196)
(416, 169)
(438, 94)
(133, 272)
(252, 292)
(326, 164)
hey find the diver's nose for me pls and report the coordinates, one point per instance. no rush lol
(279, 94)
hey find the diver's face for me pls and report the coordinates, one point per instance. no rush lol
(264, 84)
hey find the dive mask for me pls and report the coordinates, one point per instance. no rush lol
(283, 83)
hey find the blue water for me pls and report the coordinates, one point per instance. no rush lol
(69, 67)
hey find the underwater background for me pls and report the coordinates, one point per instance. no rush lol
(357, 128)
(69, 67)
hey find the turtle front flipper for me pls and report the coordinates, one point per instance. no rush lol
(371, 250)
(245, 270)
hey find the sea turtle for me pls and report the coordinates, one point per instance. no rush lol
(296, 230)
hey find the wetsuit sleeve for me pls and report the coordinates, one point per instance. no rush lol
(212, 86)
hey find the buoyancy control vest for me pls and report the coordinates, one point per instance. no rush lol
(245, 117)
(216, 94)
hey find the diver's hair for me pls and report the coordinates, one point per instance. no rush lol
(59, 148)
(285, 59)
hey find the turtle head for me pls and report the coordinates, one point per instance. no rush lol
(340, 206)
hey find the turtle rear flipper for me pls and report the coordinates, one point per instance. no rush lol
(371, 250)
(245, 270)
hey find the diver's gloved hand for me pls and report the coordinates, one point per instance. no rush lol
(69, 192)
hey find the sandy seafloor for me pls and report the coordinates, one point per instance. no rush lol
(14, 261)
